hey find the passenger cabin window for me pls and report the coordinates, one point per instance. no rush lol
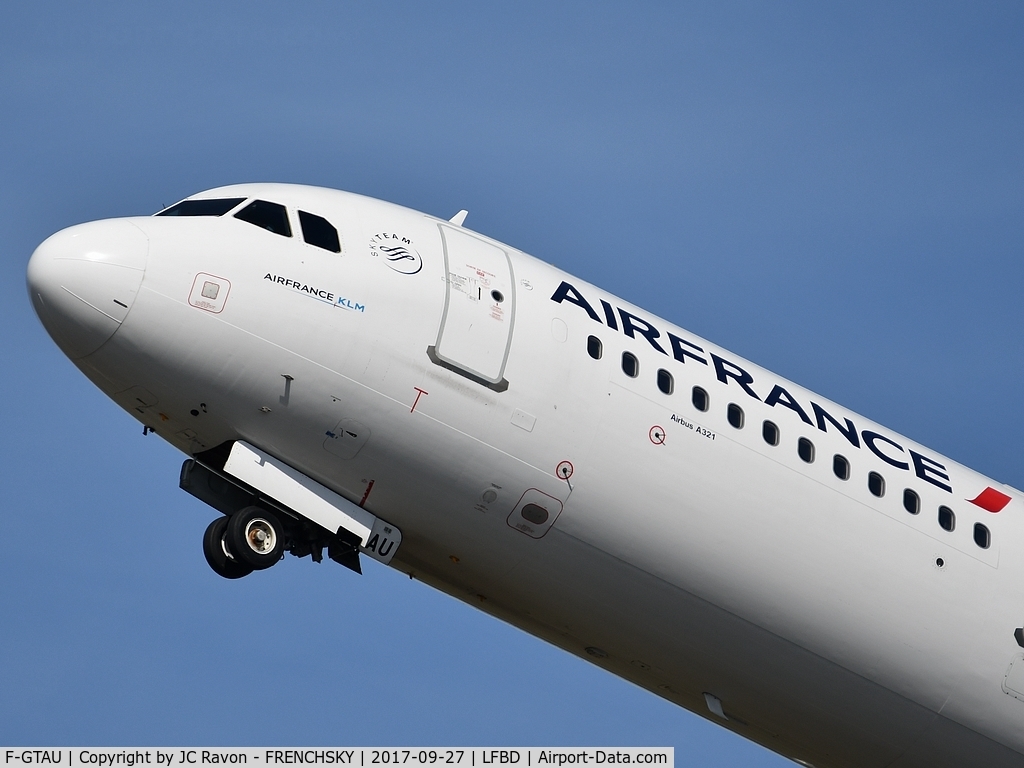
(665, 381)
(217, 207)
(770, 433)
(947, 520)
(735, 414)
(270, 216)
(911, 501)
(630, 365)
(841, 467)
(594, 347)
(699, 399)
(981, 536)
(318, 231)
(805, 449)
(876, 484)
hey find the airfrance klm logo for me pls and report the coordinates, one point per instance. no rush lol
(320, 294)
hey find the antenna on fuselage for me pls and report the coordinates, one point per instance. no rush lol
(459, 217)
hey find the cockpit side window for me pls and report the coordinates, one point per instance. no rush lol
(217, 207)
(273, 217)
(318, 231)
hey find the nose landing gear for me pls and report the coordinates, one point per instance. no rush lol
(255, 537)
(217, 553)
(250, 540)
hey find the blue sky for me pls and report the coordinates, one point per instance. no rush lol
(833, 193)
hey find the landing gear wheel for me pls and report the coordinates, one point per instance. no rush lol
(255, 537)
(217, 553)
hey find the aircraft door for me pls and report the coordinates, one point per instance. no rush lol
(476, 327)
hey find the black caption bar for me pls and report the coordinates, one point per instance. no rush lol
(183, 757)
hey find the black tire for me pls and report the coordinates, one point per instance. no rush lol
(255, 537)
(216, 552)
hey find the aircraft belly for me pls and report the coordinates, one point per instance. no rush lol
(679, 646)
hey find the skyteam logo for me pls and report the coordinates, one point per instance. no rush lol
(397, 253)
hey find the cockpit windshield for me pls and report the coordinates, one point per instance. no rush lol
(272, 217)
(216, 207)
(318, 231)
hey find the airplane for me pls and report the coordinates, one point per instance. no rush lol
(350, 376)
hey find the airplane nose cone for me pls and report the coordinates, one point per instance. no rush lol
(84, 279)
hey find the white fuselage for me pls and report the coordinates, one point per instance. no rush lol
(446, 383)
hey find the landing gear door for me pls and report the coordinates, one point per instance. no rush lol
(476, 327)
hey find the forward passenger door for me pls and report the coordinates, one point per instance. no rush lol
(479, 311)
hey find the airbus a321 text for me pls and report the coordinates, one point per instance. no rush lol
(353, 378)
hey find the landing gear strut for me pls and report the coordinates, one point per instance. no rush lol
(250, 540)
